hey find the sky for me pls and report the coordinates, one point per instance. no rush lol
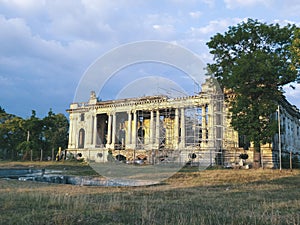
(48, 45)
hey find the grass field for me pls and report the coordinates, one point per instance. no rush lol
(189, 197)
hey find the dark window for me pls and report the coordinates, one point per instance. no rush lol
(82, 117)
(218, 106)
(243, 142)
(218, 132)
(218, 119)
(81, 138)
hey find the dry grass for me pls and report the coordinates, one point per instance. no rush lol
(189, 197)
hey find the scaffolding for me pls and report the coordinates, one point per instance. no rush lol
(158, 134)
(166, 128)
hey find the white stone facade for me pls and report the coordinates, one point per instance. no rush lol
(138, 126)
(289, 132)
(157, 126)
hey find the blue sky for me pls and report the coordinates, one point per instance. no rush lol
(47, 45)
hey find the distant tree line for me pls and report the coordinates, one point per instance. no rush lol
(25, 139)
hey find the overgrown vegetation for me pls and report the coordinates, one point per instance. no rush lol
(189, 197)
(254, 60)
(24, 139)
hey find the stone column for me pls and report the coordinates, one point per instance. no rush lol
(109, 130)
(204, 127)
(210, 125)
(151, 127)
(133, 140)
(92, 130)
(182, 126)
(87, 130)
(129, 124)
(176, 128)
(72, 134)
(157, 127)
(95, 134)
(113, 135)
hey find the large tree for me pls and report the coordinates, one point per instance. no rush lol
(254, 60)
(11, 134)
(27, 137)
(31, 145)
(45, 134)
(55, 132)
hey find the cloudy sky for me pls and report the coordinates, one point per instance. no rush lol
(47, 45)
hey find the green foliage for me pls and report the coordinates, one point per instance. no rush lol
(32, 127)
(10, 134)
(21, 137)
(295, 50)
(55, 131)
(254, 61)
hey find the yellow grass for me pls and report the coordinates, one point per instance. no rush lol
(189, 197)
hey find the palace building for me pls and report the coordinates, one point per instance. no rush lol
(183, 129)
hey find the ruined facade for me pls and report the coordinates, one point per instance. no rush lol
(156, 128)
(289, 122)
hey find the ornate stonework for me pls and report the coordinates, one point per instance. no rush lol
(155, 127)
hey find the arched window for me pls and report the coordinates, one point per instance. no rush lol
(81, 138)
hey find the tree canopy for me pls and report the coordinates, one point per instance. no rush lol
(20, 137)
(254, 60)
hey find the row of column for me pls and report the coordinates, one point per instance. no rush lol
(131, 132)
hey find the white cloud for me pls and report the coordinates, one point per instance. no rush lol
(286, 22)
(70, 20)
(53, 41)
(156, 26)
(24, 5)
(196, 14)
(14, 36)
(231, 4)
(164, 30)
(215, 26)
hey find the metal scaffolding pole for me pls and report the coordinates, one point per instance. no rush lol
(279, 138)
